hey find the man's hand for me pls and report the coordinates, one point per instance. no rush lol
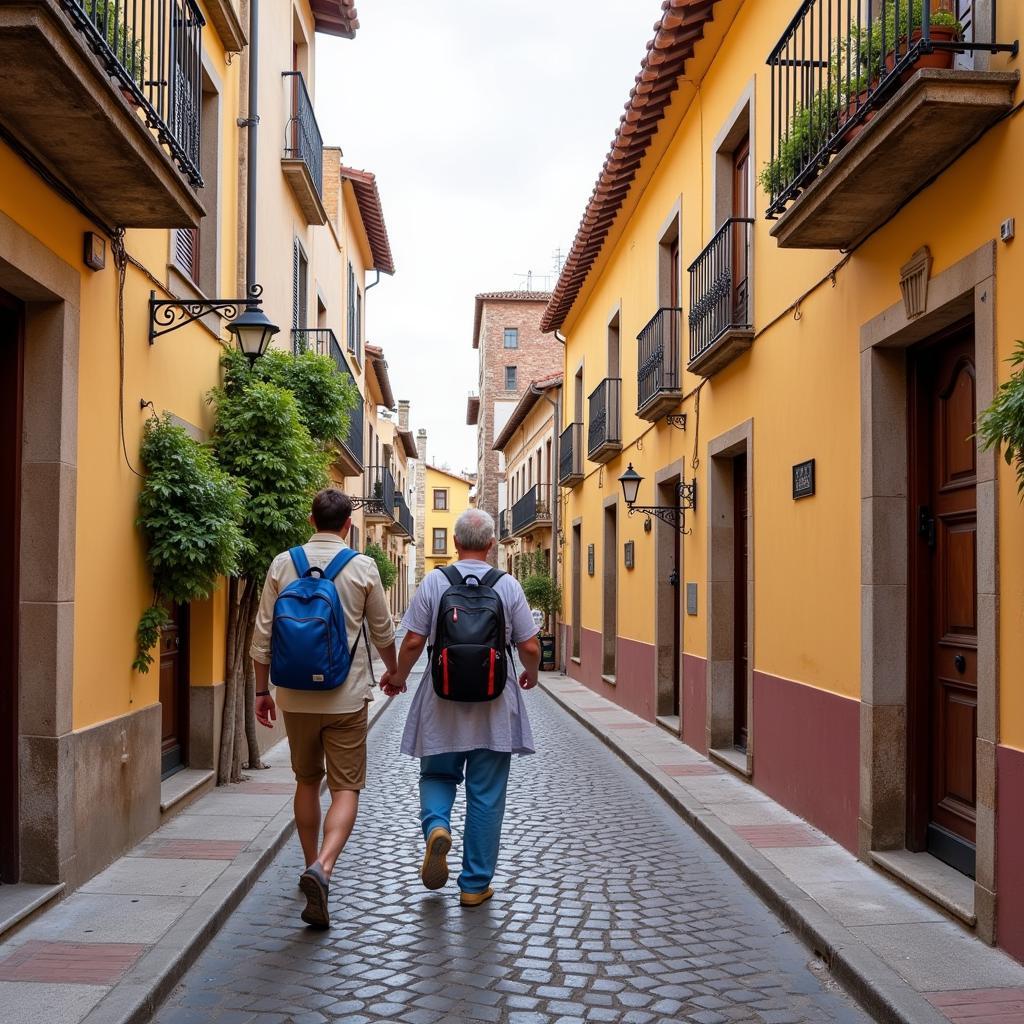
(266, 711)
(528, 680)
(392, 684)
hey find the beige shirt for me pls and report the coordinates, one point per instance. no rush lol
(362, 597)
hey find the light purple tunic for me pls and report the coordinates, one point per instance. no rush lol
(437, 726)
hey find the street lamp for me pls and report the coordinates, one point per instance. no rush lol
(673, 515)
(249, 325)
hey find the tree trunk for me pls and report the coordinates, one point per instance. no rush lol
(249, 716)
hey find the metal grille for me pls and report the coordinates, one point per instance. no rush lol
(839, 61)
(658, 356)
(529, 509)
(153, 49)
(719, 286)
(305, 142)
(380, 486)
(605, 426)
(570, 453)
(404, 516)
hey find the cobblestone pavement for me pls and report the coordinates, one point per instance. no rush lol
(608, 908)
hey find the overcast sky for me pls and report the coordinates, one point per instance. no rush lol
(486, 123)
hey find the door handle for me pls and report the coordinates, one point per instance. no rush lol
(960, 664)
(926, 525)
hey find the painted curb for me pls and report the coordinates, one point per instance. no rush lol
(139, 994)
(875, 985)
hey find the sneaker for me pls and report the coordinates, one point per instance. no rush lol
(434, 872)
(474, 899)
(315, 886)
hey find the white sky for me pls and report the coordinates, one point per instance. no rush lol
(486, 123)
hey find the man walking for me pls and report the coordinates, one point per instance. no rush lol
(328, 724)
(471, 741)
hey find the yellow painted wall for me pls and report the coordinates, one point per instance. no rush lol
(458, 502)
(800, 383)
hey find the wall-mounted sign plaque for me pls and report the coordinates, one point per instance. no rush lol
(590, 559)
(803, 479)
(630, 554)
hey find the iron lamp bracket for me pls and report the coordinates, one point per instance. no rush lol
(672, 515)
(166, 315)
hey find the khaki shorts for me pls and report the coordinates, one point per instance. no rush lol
(340, 739)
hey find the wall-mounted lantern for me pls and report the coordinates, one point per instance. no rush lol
(673, 515)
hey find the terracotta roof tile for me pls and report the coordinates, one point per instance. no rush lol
(376, 361)
(523, 407)
(335, 17)
(408, 443)
(513, 296)
(368, 198)
(676, 33)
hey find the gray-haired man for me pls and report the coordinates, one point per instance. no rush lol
(471, 741)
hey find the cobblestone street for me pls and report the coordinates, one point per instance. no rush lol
(607, 908)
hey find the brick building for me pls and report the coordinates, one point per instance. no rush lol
(513, 352)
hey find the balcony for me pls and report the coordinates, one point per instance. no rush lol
(659, 381)
(503, 535)
(865, 113)
(403, 518)
(106, 95)
(604, 435)
(323, 341)
(721, 315)
(570, 456)
(303, 160)
(380, 495)
(530, 511)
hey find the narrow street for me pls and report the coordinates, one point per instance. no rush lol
(607, 908)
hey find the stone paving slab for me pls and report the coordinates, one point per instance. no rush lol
(899, 955)
(110, 951)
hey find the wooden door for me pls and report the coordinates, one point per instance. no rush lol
(677, 621)
(740, 513)
(740, 240)
(174, 692)
(943, 707)
(11, 373)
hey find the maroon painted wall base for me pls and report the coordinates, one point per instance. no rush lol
(807, 753)
(1010, 850)
(695, 702)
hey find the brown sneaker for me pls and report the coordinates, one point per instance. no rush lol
(315, 886)
(434, 872)
(474, 899)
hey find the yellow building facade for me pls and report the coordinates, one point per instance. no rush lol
(447, 496)
(140, 196)
(826, 596)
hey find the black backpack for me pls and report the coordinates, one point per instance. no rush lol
(468, 659)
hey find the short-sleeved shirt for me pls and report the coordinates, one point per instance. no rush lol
(362, 598)
(437, 726)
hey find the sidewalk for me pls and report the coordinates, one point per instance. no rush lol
(113, 950)
(900, 957)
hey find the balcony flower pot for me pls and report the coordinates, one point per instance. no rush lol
(850, 111)
(937, 59)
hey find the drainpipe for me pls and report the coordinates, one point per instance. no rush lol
(376, 281)
(556, 404)
(252, 123)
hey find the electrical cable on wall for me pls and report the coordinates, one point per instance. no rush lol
(117, 250)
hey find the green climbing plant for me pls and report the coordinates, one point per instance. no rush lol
(1001, 425)
(387, 569)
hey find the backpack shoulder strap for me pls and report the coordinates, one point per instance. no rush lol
(452, 575)
(492, 577)
(338, 562)
(299, 560)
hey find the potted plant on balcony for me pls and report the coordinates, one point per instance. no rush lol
(809, 129)
(943, 28)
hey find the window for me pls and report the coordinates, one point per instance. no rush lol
(511, 378)
(511, 337)
(300, 275)
(186, 251)
(359, 325)
(440, 499)
(440, 540)
(350, 323)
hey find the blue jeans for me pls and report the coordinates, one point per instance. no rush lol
(486, 776)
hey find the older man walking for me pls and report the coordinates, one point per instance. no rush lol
(470, 739)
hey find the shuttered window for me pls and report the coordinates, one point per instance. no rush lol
(299, 287)
(351, 321)
(186, 251)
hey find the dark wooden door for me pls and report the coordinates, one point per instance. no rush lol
(174, 692)
(677, 621)
(739, 663)
(740, 241)
(11, 372)
(944, 605)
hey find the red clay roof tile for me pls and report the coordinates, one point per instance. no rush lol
(368, 198)
(335, 17)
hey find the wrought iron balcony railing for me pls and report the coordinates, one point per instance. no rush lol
(404, 517)
(323, 341)
(839, 62)
(503, 525)
(304, 141)
(570, 455)
(720, 286)
(530, 510)
(379, 493)
(153, 49)
(659, 380)
(604, 433)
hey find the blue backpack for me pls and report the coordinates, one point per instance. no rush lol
(309, 642)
